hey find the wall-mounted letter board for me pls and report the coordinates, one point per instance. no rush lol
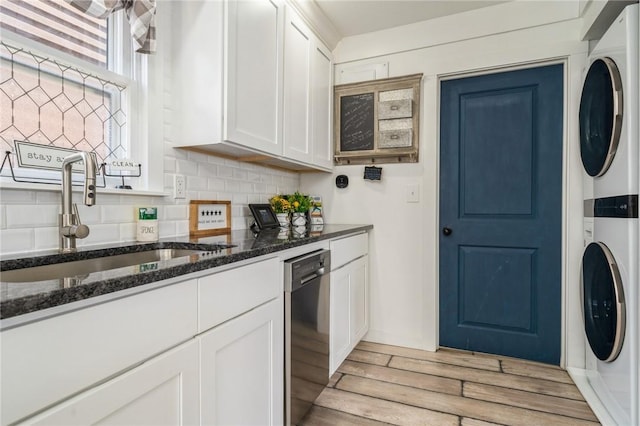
(377, 121)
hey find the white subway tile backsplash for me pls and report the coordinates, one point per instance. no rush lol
(167, 228)
(176, 212)
(46, 238)
(17, 240)
(12, 196)
(103, 198)
(49, 197)
(196, 157)
(215, 160)
(207, 170)
(169, 165)
(252, 176)
(240, 174)
(182, 227)
(232, 186)
(271, 189)
(216, 184)
(168, 182)
(128, 231)
(260, 188)
(90, 214)
(23, 216)
(225, 171)
(258, 198)
(101, 234)
(118, 214)
(207, 195)
(185, 167)
(246, 187)
(196, 183)
(239, 199)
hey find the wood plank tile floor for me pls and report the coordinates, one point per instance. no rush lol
(382, 384)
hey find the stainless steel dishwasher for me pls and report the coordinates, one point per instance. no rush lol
(306, 332)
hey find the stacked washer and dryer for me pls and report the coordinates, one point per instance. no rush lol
(610, 153)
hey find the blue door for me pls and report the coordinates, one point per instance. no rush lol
(500, 213)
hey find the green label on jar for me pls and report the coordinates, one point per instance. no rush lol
(147, 213)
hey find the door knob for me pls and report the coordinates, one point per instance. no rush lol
(446, 231)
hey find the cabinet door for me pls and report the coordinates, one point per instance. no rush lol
(339, 339)
(162, 391)
(321, 106)
(358, 300)
(253, 56)
(86, 346)
(297, 86)
(349, 309)
(242, 380)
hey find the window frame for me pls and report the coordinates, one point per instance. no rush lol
(125, 68)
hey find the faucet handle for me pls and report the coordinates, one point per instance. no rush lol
(80, 230)
(76, 214)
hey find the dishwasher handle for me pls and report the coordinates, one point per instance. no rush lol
(320, 272)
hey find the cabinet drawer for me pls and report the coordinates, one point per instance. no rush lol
(400, 108)
(230, 293)
(345, 250)
(400, 138)
(46, 361)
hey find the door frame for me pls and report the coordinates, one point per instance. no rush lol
(568, 240)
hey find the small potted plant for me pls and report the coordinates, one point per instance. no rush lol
(282, 208)
(300, 205)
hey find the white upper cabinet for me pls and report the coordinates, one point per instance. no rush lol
(297, 88)
(254, 74)
(227, 75)
(307, 95)
(322, 106)
(246, 81)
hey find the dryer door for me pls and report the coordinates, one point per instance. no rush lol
(603, 302)
(600, 116)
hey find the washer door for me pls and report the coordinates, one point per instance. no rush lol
(600, 116)
(603, 302)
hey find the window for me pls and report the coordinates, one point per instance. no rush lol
(57, 81)
(58, 25)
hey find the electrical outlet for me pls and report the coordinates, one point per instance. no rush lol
(179, 186)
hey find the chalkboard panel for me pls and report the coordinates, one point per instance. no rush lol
(357, 122)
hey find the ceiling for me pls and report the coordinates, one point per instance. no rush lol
(353, 17)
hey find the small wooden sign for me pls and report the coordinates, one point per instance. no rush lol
(209, 217)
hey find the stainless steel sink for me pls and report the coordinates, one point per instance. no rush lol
(87, 266)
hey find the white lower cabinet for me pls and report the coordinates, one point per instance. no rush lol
(162, 391)
(206, 351)
(242, 369)
(349, 309)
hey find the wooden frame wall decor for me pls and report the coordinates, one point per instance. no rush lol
(377, 121)
(209, 217)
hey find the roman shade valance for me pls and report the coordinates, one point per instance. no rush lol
(141, 14)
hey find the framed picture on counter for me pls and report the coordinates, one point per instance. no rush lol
(264, 216)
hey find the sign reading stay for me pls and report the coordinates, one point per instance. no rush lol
(37, 156)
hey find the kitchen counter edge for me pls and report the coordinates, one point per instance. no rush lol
(247, 246)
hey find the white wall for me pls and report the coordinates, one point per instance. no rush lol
(404, 243)
(29, 217)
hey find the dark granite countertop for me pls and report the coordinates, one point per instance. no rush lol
(18, 298)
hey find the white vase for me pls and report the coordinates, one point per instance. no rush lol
(299, 219)
(283, 219)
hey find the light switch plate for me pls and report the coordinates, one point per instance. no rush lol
(413, 193)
